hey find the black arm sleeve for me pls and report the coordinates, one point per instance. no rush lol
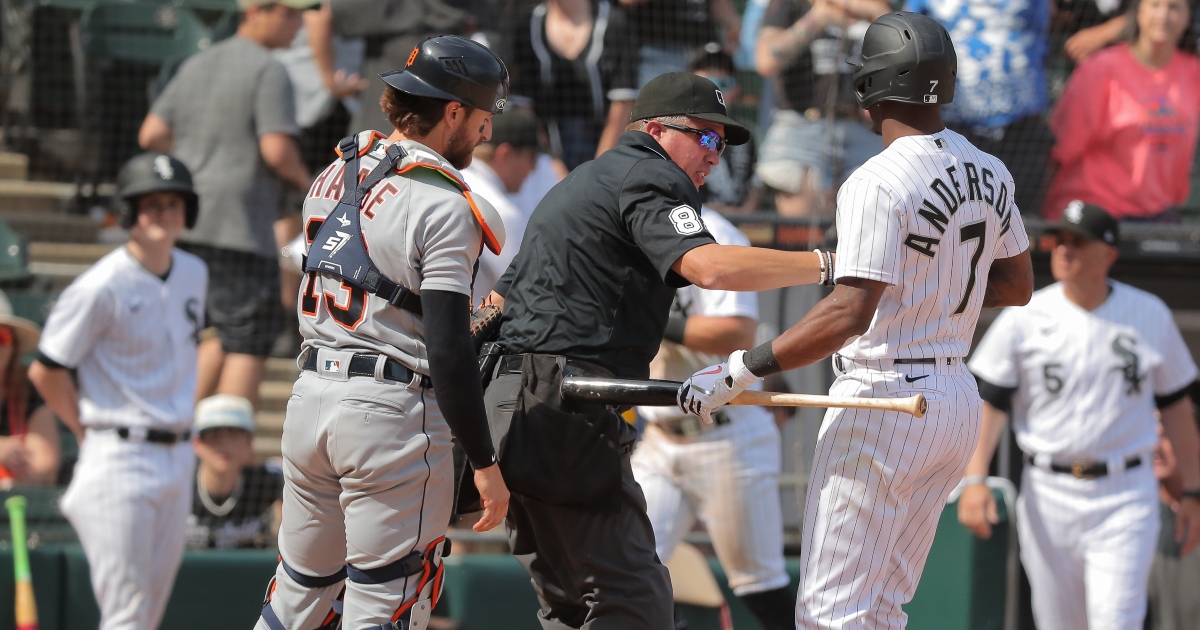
(995, 395)
(50, 363)
(454, 369)
(1162, 402)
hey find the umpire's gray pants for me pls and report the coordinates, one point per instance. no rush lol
(368, 473)
(592, 570)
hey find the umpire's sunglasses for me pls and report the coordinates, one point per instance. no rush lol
(709, 139)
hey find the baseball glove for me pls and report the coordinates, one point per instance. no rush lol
(485, 325)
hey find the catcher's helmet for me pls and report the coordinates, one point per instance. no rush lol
(153, 172)
(455, 69)
(908, 58)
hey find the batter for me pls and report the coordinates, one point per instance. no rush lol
(928, 235)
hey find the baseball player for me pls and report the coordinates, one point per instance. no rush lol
(725, 473)
(129, 326)
(1082, 369)
(388, 366)
(928, 235)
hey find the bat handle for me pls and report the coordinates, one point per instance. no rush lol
(16, 516)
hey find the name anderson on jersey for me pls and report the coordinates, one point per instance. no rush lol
(978, 181)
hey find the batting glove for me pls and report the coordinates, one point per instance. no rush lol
(715, 386)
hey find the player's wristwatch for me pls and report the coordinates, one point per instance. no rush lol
(1194, 493)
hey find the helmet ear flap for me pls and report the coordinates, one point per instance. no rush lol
(126, 212)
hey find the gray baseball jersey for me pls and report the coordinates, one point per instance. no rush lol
(431, 243)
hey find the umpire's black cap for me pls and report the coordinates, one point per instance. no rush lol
(686, 94)
(455, 69)
(1089, 221)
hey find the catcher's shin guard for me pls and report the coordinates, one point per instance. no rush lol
(412, 614)
(332, 621)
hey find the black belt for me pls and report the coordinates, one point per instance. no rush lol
(1086, 469)
(364, 365)
(511, 364)
(156, 436)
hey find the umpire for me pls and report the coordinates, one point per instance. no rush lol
(589, 294)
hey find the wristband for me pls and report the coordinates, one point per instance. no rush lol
(676, 325)
(971, 480)
(761, 361)
(1190, 494)
(824, 270)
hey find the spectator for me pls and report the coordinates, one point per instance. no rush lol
(230, 114)
(323, 68)
(29, 446)
(1001, 90)
(669, 32)
(818, 135)
(573, 61)
(235, 504)
(1126, 124)
(1091, 25)
(731, 187)
(499, 168)
(391, 29)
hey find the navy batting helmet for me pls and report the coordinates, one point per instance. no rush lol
(907, 58)
(153, 172)
(455, 69)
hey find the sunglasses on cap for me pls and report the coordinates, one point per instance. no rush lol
(709, 139)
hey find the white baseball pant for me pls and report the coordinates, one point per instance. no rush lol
(878, 485)
(129, 501)
(729, 479)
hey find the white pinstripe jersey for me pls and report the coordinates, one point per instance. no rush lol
(1086, 381)
(928, 216)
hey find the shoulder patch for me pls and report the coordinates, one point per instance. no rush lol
(686, 220)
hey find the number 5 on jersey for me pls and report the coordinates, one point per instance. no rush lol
(348, 314)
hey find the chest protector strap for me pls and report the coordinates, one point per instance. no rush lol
(340, 236)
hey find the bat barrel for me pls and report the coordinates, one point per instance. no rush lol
(619, 391)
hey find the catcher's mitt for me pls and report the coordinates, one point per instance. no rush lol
(485, 325)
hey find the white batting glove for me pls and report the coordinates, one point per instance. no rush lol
(715, 386)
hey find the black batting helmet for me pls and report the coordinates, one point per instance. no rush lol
(908, 58)
(148, 173)
(455, 69)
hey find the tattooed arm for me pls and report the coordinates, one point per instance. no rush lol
(1010, 282)
(846, 312)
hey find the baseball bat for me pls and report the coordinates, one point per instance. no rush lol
(619, 391)
(26, 607)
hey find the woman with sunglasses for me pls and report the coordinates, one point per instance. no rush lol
(29, 444)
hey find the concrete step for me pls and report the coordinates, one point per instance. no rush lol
(25, 196)
(266, 447)
(280, 369)
(85, 254)
(274, 396)
(52, 226)
(14, 165)
(269, 423)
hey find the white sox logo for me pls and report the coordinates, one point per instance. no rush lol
(720, 98)
(162, 166)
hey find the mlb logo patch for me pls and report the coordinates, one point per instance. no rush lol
(930, 98)
(333, 365)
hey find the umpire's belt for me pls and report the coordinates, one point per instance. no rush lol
(511, 364)
(1080, 468)
(142, 434)
(364, 365)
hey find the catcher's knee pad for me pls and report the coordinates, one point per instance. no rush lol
(414, 613)
(332, 620)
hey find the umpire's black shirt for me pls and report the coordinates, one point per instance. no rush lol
(593, 279)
